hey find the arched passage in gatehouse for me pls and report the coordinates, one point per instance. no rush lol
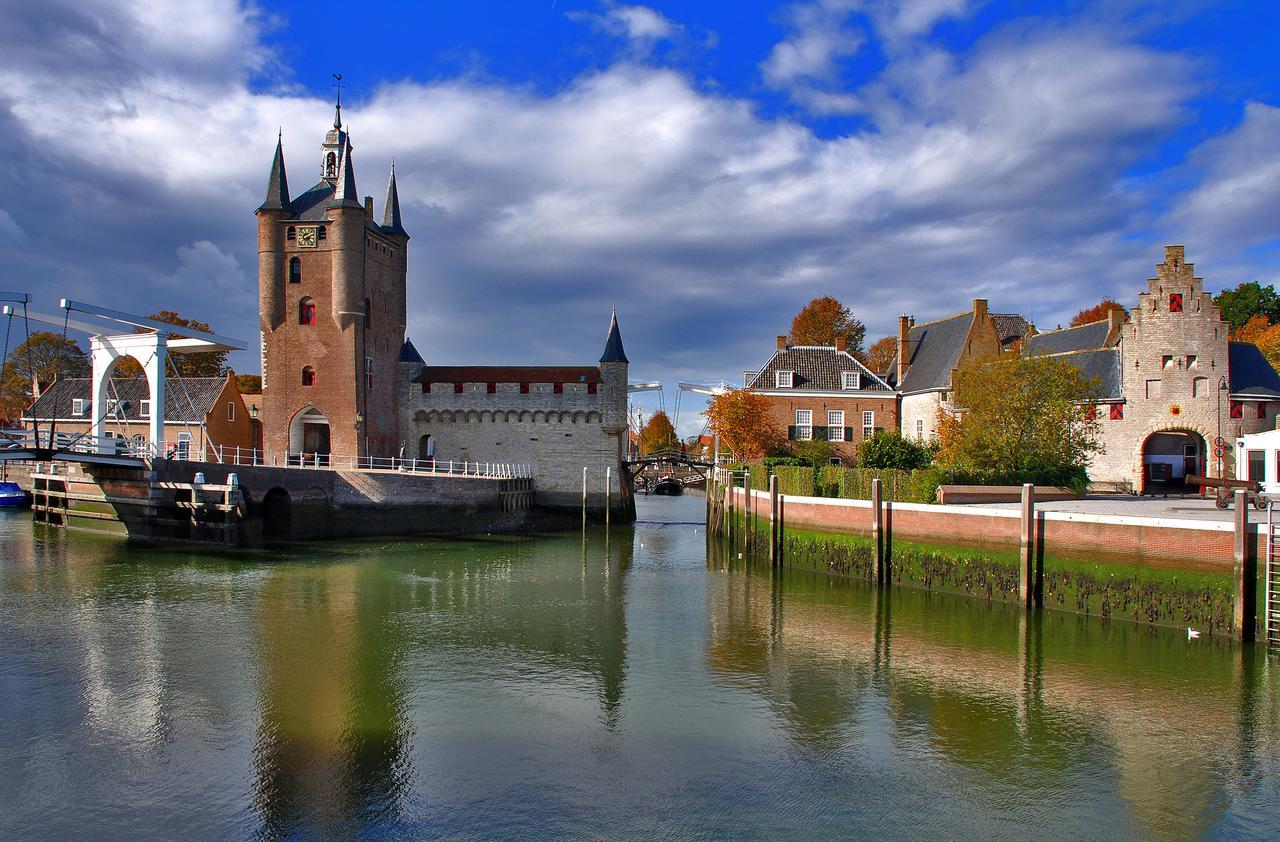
(1169, 457)
(427, 447)
(309, 432)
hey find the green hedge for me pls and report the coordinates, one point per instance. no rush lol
(897, 486)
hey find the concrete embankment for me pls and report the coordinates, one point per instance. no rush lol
(1164, 571)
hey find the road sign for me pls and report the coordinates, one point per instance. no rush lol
(1219, 452)
(1219, 442)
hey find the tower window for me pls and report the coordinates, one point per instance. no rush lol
(308, 376)
(295, 270)
(307, 311)
(320, 233)
(331, 165)
(368, 314)
(291, 233)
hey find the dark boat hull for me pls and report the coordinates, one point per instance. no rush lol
(669, 487)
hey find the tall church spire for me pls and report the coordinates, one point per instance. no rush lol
(345, 196)
(278, 182)
(391, 223)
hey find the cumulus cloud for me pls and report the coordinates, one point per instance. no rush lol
(806, 61)
(1001, 172)
(641, 25)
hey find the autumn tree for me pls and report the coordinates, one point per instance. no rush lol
(1241, 303)
(35, 364)
(740, 418)
(1097, 312)
(249, 384)
(658, 434)
(823, 321)
(207, 364)
(1022, 419)
(882, 355)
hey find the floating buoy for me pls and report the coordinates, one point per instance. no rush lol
(1192, 634)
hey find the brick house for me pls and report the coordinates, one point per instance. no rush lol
(202, 413)
(929, 354)
(824, 393)
(1172, 383)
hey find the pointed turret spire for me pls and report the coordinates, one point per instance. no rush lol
(278, 182)
(613, 352)
(391, 211)
(345, 196)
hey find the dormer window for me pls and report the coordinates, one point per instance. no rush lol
(850, 380)
(784, 379)
(144, 409)
(77, 406)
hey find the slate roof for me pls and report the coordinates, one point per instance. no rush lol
(1010, 327)
(508, 374)
(1251, 374)
(391, 222)
(203, 392)
(935, 351)
(409, 354)
(312, 205)
(817, 369)
(1102, 364)
(277, 182)
(613, 351)
(1085, 337)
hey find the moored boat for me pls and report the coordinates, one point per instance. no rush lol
(668, 485)
(12, 496)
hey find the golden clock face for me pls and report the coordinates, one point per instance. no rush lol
(307, 238)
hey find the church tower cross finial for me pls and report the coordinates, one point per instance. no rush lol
(337, 113)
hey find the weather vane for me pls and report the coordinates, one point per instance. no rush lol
(337, 113)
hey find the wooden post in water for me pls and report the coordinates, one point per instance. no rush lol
(782, 527)
(1027, 552)
(877, 532)
(608, 493)
(773, 519)
(1245, 598)
(584, 497)
(749, 508)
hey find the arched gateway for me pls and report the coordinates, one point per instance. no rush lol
(1169, 457)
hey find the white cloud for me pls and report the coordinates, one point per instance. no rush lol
(641, 25)
(10, 230)
(806, 61)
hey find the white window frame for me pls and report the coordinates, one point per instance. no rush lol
(144, 409)
(784, 379)
(835, 425)
(919, 429)
(231, 410)
(183, 446)
(851, 377)
(77, 406)
(868, 423)
(113, 408)
(804, 432)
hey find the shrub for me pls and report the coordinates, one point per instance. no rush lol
(888, 449)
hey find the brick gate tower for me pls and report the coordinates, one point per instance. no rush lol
(331, 291)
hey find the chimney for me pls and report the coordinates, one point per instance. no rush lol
(904, 347)
(368, 206)
(842, 342)
(782, 342)
(1115, 321)
(979, 308)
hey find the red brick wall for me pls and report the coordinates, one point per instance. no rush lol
(782, 412)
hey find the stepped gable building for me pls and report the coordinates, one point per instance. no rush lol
(824, 393)
(339, 377)
(929, 353)
(559, 418)
(331, 286)
(1171, 382)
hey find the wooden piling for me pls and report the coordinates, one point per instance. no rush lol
(1245, 598)
(584, 498)
(877, 532)
(1027, 591)
(773, 519)
(782, 528)
(608, 493)
(748, 511)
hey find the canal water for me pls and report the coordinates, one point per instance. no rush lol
(621, 685)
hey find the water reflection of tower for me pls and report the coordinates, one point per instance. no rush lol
(331, 756)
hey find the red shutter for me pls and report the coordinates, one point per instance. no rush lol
(1175, 302)
(591, 388)
(491, 388)
(1237, 409)
(559, 389)
(1262, 409)
(457, 388)
(1117, 412)
(524, 388)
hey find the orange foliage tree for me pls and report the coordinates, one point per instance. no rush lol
(740, 418)
(1097, 312)
(658, 434)
(882, 355)
(823, 321)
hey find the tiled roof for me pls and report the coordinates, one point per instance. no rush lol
(1102, 364)
(1251, 374)
(1010, 327)
(507, 374)
(935, 350)
(816, 369)
(1082, 338)
(187, 400)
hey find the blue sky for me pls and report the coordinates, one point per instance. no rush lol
(706, 168)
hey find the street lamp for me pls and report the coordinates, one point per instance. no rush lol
(1218, 444)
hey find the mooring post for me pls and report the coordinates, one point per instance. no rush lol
(584, 498)
(782, 527)
(773, 519)
(728, 511)
(749, 510)
(608, 493)
(1027, 556)
(877, 532)
(1245, 602)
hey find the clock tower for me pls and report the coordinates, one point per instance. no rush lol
(331, 306)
